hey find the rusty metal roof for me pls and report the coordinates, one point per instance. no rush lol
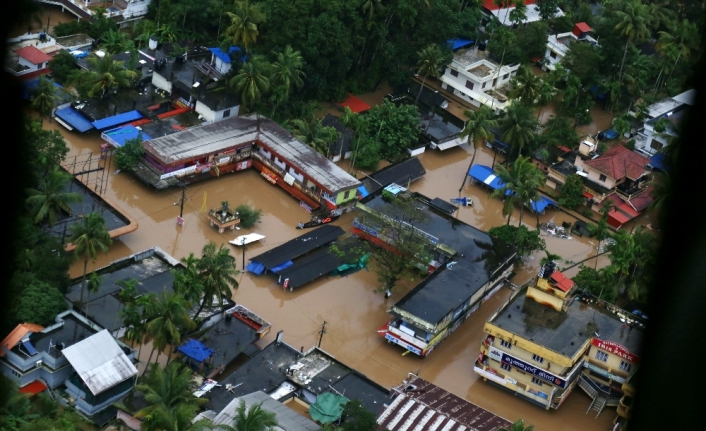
(422, 405)
(100, 362)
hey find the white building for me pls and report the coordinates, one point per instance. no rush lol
(489, 8)
(26, 60)
(475, 78)
(217, 107)
(123, 11)
(559, 45)
(647, 141)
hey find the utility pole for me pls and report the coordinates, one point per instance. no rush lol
(180, 219)
(242, 243)
(321, 333)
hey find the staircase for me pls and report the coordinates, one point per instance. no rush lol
(598, 404)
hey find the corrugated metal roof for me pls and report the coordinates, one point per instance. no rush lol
(287, 419)
(421, 405)
(115, 120)
(100, 362)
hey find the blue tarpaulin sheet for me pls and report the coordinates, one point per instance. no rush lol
(610, 134)
(255, 268)
(116, 120)
(121, 134)
(485, 175)
(658, 161)
(74, 119)
(282, 266)
(541, 204)
(218, 52)
(28, 86)
(195, 350)
(459, 43)
(363, 191)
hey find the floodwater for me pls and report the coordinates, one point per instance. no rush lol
(49, 16)
(349, 306)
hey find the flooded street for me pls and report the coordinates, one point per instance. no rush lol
(349, 306)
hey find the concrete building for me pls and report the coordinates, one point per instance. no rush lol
(492, 11)
(475, 78)
(547, 339)
(287, 419)
(672, 109)
(122, 11)
(27, 60)
(559, 45)
(467, 266)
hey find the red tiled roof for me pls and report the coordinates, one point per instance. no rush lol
(619, 162)
(583, 27)
(18, 334)
(617, 200)
(356, 105)
(564, 149)
(562, 282)
(33, 388)
(617, 218)
(488, 4)
(643, 200)
(628, 210)
(32, 54)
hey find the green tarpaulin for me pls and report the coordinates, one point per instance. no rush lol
(327, 408)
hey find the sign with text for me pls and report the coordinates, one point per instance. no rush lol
(495, 354)
(535, 371)
(269, 175)
(243, 165)
(615, 349)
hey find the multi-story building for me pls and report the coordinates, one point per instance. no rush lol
(491, 10)
(475, 78)
(467, 266)
(648, 141)
(559, 45)
(545, 340)
(122, 11)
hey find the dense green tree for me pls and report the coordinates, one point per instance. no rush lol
(50, 198)
(519, 13)
(61, 65)
(632, 25)
(39, 302)
(115, 42)
(547, 8)
(217, 274)
(531, 40)
(477, 132)
(249, 216)
(571, 192)
(244, 23)
(526, 86)
(582, 60)
(46, 148)
(526, 241)
(90, 237)
(519, 128)
(430, 61)
(169, 317)
(43, 97)
(661, 191)
(357, 418)
(597, 282)
(71, 27)
(504, 47)
(632, 260)
(130, 154)
(396, 128)
(316, 135)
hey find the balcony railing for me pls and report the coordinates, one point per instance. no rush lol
(297, 184)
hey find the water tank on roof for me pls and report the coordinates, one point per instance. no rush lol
(153, 42)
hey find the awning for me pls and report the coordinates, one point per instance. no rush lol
(587, 195)
(542, 203)
(485, 175)
(255, 268)
(74, 119)
(33, 388)
(195, 350)
(116, 120)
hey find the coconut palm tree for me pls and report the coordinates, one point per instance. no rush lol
(519, 14)
(370, 9)
(254, 418)
(518, 127)
(217, 273)
(90, 237)
(503, 4)
(243, 23)
(43, 96)
(115, 41)
(107, 74)
(251, 82)
(632, 24)
(314, 134)
(521, 182)
(170, 316)
(621, 124)
(519, 426)
(681, 40)
(186, 280)
(545, 95)
(430, 59)
(50, 197)
(601, 232)
(477, 131)
(287, 72)
(526, 86)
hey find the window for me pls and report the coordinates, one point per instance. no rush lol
(506, 344)
(484, 84)
(538, 358)
(454, 72)
(507, 75)
(495, 82)
(602, 178)
(226, 113)
(601, 356)
(346, 194)
(536, 381)
(505, 366)
(552, 54)
(656, 145)
(469, 84)
(625, 366)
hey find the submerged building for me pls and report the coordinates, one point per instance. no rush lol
(467, 266)
(547, 339)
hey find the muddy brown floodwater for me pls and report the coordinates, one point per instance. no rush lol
(48, 15)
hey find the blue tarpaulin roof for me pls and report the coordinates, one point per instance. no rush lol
(363, 191)
(540, 205)
(121, 134)
(195, 350)
(610, 134)
(459, 43)
(116, 120)
(658, 161)
(27, 87)
(74, 119)
(255, 268)
(485, 175)
(218, 52)
(282, 266)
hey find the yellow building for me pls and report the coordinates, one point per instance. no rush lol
(545, 340)
(625, 405)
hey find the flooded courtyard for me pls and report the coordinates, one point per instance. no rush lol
(349, 305)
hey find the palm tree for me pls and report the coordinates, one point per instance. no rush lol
(243, 23)
(661, 191)
(519, 14)
(89, 237)
(165, 390)
(518, 426)
(251, 83)
(114, 41)
(549, 257)
(217, 273)
(526, 86)
(601, 232)
(681, 40)
(43, 96)
(477, 131)
(50, 197)
(521, 182)
(430, 59)
(621, 124)
(186, 280)
(287, 71)
(518, 127)
(545, 95)
(107, 74)
(314, 134)
(254, 418)
(633, 20)
(370, 8)
(503, 4)
(170, 316)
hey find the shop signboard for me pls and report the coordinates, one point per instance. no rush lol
(535, 371)
(269, 175)
(407, 346)
(495, 354)
(615, 349)
(243, 165)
